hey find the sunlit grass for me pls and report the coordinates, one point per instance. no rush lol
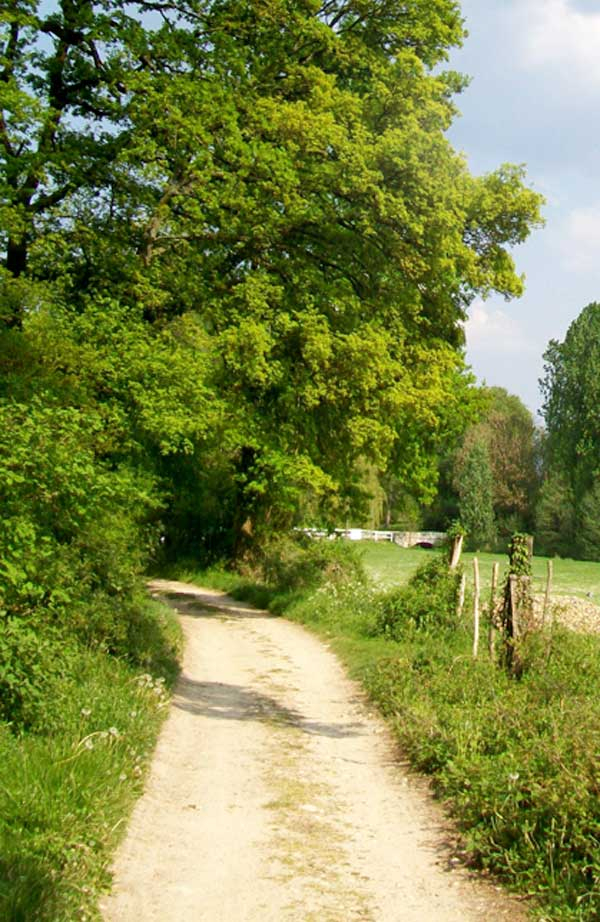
(389, 565)
(66, 792)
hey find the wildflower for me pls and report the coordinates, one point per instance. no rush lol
(113, 732)
(514, 776)
(133, 714)
(88, 743)
(122, 777)
(85, 712)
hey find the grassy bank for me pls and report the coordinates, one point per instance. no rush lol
(515, 761)
(67, 785)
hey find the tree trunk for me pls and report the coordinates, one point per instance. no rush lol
(15, 264)
(16, 257)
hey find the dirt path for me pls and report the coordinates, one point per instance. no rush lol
(275, 795)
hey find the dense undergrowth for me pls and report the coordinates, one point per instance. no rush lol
(85, 656)
(516, 761)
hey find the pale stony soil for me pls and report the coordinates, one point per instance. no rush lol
(277, 796)
(577, 614)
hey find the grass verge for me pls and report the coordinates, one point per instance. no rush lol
(67, 789)
(515, 761)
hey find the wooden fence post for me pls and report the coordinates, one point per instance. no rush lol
(476, 591)
(456, 551)
(460, 604)
(492, 613)
(548, 591)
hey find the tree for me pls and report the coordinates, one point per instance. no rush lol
(282, 172)
(571, 390)
(588, 533)
(571, 410)
(474, 486)
(555, 517)
(507, 429)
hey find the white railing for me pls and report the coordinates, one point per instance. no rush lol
(401, 538)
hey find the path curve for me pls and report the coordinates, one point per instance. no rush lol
(275, 795)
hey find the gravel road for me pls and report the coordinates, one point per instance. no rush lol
(275, 794)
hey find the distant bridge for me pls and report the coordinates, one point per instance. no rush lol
(401, 538)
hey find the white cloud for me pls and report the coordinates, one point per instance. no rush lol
(580, 242)
(491, 330)
(557, 35)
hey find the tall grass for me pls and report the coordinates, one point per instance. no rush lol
(66, 790)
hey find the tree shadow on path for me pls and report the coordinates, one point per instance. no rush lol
(201, 606)
(221, 701)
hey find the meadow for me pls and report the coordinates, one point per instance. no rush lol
(389, 565)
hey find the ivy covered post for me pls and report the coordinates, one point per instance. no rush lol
(517, 610)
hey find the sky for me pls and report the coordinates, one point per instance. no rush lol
(534, 99)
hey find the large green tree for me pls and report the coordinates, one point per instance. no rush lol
(571, 390)
(507, 429)
(281, 171)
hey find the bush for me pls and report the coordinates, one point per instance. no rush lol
(427, 603)
(300, 563)
(72, 539)
(33, 660)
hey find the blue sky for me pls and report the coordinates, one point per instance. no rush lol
(534, 98)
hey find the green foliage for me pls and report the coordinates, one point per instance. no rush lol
(588, 532)
(571, 391)
(516, 763)
(515, 760)
(474, 484)
(65, 792)
(555, 517)
(290, 184)
(34, 659)
(506, 428)
(427, 603)
(302, 563)
(71, 529)
(519, 556)
(514, 448)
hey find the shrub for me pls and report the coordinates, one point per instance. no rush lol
(72, 538)
(32, 661)
(427, 602)
(300, 563)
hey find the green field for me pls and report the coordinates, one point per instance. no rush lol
(389, 565)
